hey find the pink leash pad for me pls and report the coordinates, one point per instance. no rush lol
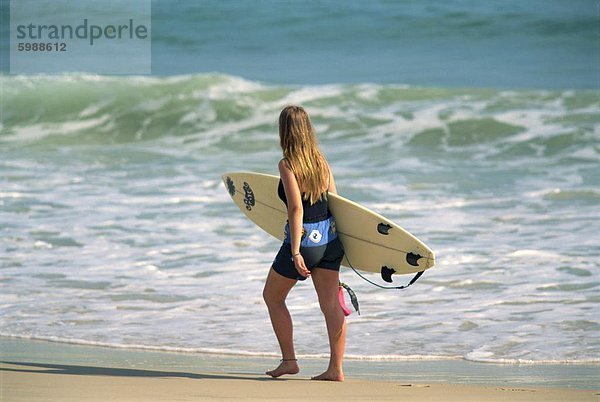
(345, 309)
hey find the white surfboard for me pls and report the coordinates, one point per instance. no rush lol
(371, 242)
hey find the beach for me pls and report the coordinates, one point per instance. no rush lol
(47, 371)
(78, 383)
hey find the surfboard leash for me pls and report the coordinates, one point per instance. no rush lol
(413, 280)
(354, 298)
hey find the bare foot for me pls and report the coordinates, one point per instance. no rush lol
(330, 376)
(285, 367)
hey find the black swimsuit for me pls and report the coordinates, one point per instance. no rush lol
(320, 245)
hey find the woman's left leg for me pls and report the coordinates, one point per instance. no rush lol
(326, 283)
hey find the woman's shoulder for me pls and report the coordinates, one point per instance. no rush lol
(283, 164)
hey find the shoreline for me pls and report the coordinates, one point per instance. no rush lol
(224, 353)
(43, 370)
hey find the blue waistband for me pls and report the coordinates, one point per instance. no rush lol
(315, 233)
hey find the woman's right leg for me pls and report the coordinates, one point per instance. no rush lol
(327, 284)
(275, 292)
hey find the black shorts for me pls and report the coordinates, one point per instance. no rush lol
(328, 256)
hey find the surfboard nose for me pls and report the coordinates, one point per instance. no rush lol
(431, 260)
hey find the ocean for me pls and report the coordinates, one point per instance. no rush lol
(474, 125)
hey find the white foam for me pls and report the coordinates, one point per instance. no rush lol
(488, 357)
(306, 94)
(231, 86)
(190, 199)
(12, 194)
(36, 132)
(420, 205)
(535, 254)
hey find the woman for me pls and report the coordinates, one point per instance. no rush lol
(311, 247)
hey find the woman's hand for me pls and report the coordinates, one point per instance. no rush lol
(301, 266)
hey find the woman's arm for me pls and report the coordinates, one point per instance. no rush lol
(332, 189)
(295, 214)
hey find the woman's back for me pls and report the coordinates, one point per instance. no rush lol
(312, 213)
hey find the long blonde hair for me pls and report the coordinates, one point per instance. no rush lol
(301, 150)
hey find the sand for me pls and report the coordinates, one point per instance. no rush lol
(33, 370)
(80, 382)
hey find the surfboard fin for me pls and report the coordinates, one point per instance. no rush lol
(413, 259)
(386, 274)
(384, 228)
